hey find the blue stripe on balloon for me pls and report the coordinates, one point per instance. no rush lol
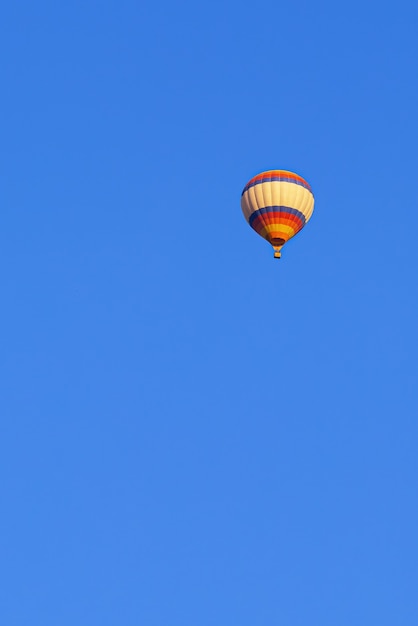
(279, 179)
(277, 209)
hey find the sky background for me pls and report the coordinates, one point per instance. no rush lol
(192, 433)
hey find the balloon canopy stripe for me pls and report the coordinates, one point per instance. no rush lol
(279, 176)
(277, 213)
(258, 225)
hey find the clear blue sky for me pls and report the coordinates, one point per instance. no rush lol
(192, 433)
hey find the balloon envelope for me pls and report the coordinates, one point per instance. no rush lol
(277, 204)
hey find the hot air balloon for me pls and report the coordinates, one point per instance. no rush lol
(277, 204)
